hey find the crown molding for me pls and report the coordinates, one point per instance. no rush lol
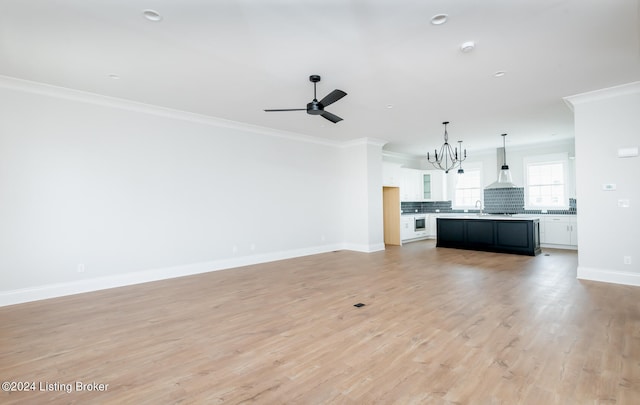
(363, 141)
(602, 94)
(65, 93)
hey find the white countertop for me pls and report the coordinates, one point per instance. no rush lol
(493, 217)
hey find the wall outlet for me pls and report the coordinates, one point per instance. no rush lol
(627, 260)
(81, 268)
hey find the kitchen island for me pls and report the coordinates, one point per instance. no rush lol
(491, 233)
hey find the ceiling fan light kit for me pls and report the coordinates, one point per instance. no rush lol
(316, 107)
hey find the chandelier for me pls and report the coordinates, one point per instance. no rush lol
(447, 158)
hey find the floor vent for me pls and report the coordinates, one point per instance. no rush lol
(359, 304)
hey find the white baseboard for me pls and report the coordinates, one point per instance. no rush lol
(358, 247)
(608, 276)
(552, 246)
(42, 292)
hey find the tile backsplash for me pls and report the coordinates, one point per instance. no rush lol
(497, 201)
(511, 201)
(504, 200)
(425, 206)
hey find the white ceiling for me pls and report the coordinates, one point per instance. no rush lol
(233, 58)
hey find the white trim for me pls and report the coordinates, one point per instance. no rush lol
(360, 247)
(376, 247)
(554, 246)
(402, 155)
(608, 276)
(363, 141)
(135, 106)
(42, 292)
(602, 94)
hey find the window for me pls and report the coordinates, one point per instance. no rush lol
(546, 181)
(468, 188)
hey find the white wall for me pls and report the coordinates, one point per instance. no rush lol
(136, 193)
(362, 195)
(605, 121)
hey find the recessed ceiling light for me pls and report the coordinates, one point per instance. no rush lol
(152, 15)
(389, 106)
(499, 73)
(113, 76)
(439, 19)
(467, 46)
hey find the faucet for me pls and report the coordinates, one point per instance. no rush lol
(479, 205)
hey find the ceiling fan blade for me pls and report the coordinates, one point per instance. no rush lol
(288, 109)
(331, 117)
(332, 97)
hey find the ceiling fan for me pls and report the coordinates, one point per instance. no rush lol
(317, 107)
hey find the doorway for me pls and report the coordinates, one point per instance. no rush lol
(391, 214)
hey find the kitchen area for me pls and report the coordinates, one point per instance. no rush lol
(432, 202)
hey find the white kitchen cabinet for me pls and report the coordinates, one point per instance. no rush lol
(422, 185)
(411, 185)
(432, 228)
(559, 231)
(391, 174)
(426, 185)
(421, 234)
(406, 227)
(437, 181)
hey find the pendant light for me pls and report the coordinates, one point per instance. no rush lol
(447, 158)
(504, 177)
(460, 169)
(505, 173)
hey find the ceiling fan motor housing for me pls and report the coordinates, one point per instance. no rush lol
(315, 108)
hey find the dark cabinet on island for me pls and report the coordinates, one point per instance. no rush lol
(491, 233)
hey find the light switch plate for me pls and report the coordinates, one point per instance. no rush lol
(628, 152)
(624, 203)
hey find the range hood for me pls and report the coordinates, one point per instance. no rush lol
(504, 177)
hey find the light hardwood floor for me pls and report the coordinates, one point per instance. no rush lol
(440, 326)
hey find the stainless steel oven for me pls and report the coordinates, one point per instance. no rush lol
(420, 223)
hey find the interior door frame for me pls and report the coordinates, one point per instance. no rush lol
(391, 215)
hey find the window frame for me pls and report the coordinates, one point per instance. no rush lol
(470, 167)
(549, 159)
